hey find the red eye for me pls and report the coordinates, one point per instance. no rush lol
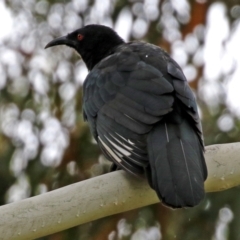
(79, 37)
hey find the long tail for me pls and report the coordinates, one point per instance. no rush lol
(177, 167)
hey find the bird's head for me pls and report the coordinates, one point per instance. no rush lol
(92, 42)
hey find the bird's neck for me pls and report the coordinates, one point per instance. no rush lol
(94, 55)
(93, 58)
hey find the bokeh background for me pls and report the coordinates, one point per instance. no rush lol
(44, 143)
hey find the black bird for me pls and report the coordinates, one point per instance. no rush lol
(142, 113)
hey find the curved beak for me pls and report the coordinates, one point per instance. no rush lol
(61, 41)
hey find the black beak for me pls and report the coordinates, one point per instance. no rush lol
(61, 41)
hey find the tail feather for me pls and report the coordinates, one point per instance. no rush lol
(177, 166)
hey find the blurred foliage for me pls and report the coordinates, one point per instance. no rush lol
(44, 143)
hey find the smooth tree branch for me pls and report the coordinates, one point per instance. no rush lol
(103, 196)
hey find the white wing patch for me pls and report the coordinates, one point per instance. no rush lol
(127, 140)
(122, 150)
(119, 148)
(131, 142)
(110, 151)
(124, 145)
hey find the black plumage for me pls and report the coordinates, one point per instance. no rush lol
(142, 113)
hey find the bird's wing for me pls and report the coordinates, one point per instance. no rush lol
(185, 95)
(123, 98)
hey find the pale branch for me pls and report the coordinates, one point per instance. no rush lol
(102, 196)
